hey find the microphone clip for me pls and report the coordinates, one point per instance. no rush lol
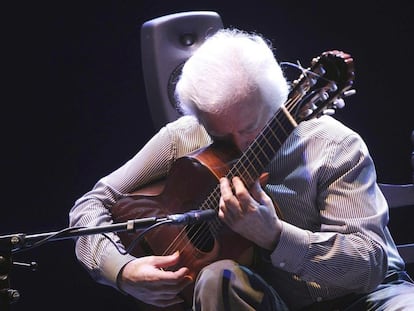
(192, 217)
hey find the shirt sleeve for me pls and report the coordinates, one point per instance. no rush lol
(99, 256)
(348, 249)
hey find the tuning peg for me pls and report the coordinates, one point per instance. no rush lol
(329, 112)
(339, 103)
(349, 93)
(323, 96)
(333, 87)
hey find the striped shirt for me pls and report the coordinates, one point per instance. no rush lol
(334, 239)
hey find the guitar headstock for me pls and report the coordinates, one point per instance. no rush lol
(319, 89)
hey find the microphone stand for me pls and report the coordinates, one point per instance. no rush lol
(13, 242)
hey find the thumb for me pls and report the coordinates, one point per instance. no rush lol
(259, 194)
(263, 179)
(166, 261)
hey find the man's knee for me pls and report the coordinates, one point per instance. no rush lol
(208, 290)
(211, 276)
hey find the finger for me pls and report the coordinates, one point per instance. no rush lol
(258, 193)
(229, 204)
(166, 261)
(166, 277)
(263, 179)
(242, 194)
(228, 200)
(225, 189)
(222, 208)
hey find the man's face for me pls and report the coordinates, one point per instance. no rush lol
(239, 125)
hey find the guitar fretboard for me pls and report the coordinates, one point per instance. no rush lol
(259, 154)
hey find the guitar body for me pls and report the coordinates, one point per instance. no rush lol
(189, 182)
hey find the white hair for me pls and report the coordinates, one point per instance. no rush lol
(227, 67)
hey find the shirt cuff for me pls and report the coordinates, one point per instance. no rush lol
(292, 248)
(112, 263)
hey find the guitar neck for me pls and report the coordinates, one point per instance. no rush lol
(259, 154)
(317, 88)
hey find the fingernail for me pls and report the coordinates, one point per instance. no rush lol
(189, 278)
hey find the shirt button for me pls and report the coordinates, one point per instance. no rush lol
(318, 299)
(282, 264)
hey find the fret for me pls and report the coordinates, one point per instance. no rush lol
(336, 67)
(252, 163)
(331, 73)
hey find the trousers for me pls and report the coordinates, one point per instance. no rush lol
(225, 286)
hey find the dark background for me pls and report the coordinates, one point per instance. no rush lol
(74, 108)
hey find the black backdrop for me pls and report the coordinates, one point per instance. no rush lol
(74, 108)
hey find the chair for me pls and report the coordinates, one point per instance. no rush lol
(400, 197)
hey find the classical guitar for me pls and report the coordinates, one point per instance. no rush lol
(193, 180)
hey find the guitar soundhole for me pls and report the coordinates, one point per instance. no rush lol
(201, 237)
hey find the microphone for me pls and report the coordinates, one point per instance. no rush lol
(192, 217)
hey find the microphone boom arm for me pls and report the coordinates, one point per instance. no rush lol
(19, 241)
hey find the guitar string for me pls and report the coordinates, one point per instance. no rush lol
(213, 198)
(215, 226)
(290, 105)
(256, 147)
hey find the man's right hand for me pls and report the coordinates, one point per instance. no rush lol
(145, 279)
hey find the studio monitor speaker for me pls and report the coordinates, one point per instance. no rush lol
(166, 43)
